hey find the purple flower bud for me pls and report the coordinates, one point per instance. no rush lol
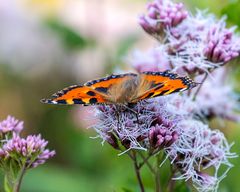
(161, 137)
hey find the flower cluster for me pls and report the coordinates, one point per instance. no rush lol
(18, 154)
(30, 150)
(198, 149)
(148, 125)
(11, 125)
(201, 43)
(192, 43)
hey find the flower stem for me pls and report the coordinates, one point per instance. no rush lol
(145, 160)
(18, 182)
(199, 87)
(171, 182)
(137, 171)
(157, 174)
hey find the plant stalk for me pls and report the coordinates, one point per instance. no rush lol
(157, 174)
(137, 171)
(17, 184)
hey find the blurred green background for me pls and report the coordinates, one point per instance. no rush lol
(46, 45)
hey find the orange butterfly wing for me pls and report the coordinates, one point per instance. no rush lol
(92, 92)
(154, 84)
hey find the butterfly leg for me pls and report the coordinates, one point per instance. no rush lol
(118, 116)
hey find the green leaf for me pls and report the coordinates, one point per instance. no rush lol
(70, 38)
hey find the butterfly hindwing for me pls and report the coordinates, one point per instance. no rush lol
(153, 84)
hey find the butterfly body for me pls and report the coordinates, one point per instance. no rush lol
(128, 88)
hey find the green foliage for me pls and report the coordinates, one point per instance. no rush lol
(232, 11)
(213, 6)
(70, 38)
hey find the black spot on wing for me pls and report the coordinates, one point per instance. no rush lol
(78, 101)
(91, 93)
(93, 100)
(102, 89)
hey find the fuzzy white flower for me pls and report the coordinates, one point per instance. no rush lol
(114, 123)
(197, 149)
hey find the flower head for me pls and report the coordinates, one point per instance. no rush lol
(161, 15)
(200, 43)
(221, 43)
(195, 44)
(149, 124)
(30, 150)
(197, 149)
(11, 125)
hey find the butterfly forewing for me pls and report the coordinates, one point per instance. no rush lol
(76, 95)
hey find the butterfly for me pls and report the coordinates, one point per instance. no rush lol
(128, 88)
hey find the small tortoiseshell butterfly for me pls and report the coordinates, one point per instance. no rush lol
(128, 88)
